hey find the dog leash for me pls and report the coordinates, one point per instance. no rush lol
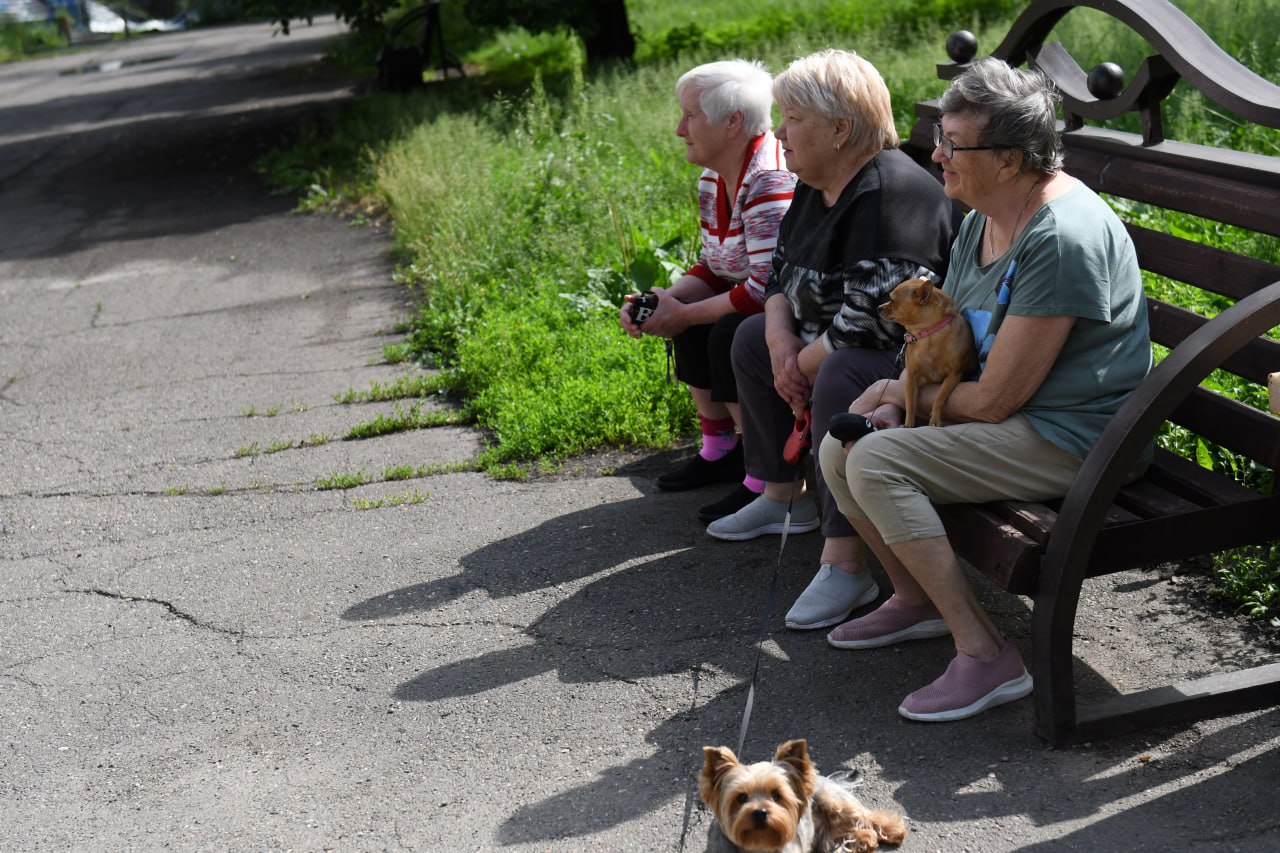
(804, 423)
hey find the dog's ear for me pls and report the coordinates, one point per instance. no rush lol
(924, 292)
(793, 751)
(795, 755)
(717, 761)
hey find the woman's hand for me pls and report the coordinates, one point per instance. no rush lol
(887, 416)
(624, 320)
(670, 318)
(881, 392)
(788, 379)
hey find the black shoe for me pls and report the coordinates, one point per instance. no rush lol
(727, 505)
(699, 472)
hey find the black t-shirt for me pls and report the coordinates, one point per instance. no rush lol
(836, 265)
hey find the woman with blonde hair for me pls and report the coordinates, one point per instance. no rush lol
(864, 218)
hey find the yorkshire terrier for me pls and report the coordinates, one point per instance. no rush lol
(784, 806)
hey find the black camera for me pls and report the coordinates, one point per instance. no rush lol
(846, 426)
(642, 306)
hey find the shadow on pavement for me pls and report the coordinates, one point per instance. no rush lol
(653, 608)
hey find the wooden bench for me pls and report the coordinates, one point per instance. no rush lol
(1179, 510)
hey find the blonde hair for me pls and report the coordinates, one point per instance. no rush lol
(839, 84)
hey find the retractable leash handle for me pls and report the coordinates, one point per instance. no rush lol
(800, 439)
(846, 426)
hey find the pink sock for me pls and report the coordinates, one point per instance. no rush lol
(754, 484)
(718, 438)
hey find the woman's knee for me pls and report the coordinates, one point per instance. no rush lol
(831, 460)
(865, 466)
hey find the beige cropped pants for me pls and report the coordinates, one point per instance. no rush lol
(893, 477)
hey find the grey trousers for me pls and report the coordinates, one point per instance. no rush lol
(767, 420)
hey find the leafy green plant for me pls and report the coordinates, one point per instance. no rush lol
(1249, 578)
(247, 450)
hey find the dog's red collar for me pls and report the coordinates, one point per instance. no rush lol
(937, 327)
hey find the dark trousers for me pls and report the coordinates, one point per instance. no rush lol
(703, 357)
(767, 420)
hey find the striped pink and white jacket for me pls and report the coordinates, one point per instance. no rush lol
(737, 242)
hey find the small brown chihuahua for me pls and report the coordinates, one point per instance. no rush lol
(939, 346)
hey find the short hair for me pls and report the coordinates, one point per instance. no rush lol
(840, 84)
(730, 86)
(1020, 108)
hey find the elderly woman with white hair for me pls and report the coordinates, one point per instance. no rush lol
(865, 217)
(726, 110)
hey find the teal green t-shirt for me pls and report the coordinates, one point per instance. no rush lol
(1074, 258)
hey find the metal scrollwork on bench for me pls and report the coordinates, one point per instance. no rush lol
(1185, 53)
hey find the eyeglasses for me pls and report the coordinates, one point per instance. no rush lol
(949, 148)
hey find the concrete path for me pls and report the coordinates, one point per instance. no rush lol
(200, 649)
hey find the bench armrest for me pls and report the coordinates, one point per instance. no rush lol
(1133, 427)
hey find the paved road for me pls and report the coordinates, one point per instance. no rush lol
(199, 649)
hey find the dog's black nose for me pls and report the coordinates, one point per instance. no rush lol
(760, 816)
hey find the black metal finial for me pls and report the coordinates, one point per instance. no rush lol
(962, 46)
(1106, 81)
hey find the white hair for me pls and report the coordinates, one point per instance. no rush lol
(730, 86)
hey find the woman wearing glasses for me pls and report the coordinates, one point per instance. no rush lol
(1049, 272)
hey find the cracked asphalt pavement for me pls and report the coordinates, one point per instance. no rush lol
(201, 649)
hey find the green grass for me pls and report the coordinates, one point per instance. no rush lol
(409, 386)
(338, 480)
(413, 497)
(526, 201)
(415, 417)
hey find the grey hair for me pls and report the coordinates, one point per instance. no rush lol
(730, 86)
(840, 84)
(1019, 107)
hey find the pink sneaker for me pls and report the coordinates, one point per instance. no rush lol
(970, 686)
(891, 622)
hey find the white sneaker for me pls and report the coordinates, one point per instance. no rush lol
(830, 597)
(763, 516)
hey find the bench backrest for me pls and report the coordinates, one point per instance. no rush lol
(1232, 187)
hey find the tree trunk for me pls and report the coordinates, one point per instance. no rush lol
(610, 36)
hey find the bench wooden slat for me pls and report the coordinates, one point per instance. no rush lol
(1231, 424)
(1179, 537)
(1208, 268)
(1008, 556)
(1198, 484)
(1229, 186)
(1146, 500)
(1171, 325)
